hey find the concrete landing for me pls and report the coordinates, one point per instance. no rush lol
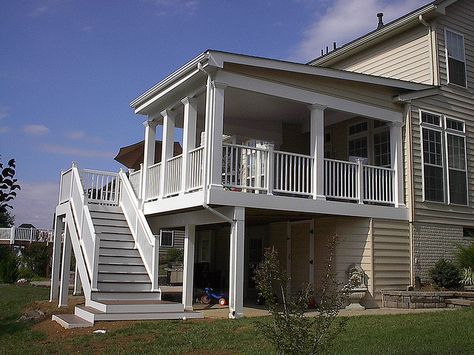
(71, 321)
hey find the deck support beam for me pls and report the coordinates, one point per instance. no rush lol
(167, 147)
(188, 267)
(56, 264)
(236, 270)
(216, 131)
(317, 150)
(189, 137)
(65, 267)
(396, 159)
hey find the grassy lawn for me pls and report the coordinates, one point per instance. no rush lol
(448, 332)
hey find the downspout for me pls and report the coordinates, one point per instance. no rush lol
(430, 40)
(411, 195)
(206, 175)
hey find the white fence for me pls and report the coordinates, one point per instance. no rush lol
(14, 234)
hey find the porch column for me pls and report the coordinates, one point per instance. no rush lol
(396, 159)
(317, 150)
(188, 267)
(189, 137)
(236, 270)
(56, 264)
(148, 154)
(65, 266)
(215, 135)
(167, 147)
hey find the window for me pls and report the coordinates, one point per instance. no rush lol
(382, 148)
(455, 58)
(358, 128)
(444, 159)
(358, 147)
(166, 238)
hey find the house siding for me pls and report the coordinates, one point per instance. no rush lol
(406, 57)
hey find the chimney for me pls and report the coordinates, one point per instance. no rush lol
(380, 16)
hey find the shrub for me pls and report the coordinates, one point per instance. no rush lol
(36, 259)
(445, 274)
(465, 256)
(8, 265)
(175, 255)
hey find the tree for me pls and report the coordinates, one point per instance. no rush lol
(8, 187)
(289, 330)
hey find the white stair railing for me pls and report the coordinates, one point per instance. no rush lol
(145, 241)
(100, 187)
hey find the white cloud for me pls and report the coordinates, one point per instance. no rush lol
(83, 136)
(345, 20)
(86, 28)
(36, 203)
(4, 130)
(174, 7)
(36, 129)
(76, 152)
(3, 112)
(40, 10)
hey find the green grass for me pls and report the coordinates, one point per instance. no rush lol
(449, 332)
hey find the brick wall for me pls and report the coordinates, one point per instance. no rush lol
(432, 242)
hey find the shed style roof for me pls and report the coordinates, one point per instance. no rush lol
(217, 59)
(431, 10)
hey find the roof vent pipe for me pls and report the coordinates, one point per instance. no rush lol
(380, 16)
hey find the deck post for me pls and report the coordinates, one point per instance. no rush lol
(56, 264)
(65, 267)
(77, 282)
(236, 270)
(167, 147)
(12, 235)
(148, 155)
(188, 267)
(317, 150)
(189, 137)
(215, 135)
(396, 159)
(270, 169)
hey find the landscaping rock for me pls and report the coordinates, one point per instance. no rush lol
(34, 315)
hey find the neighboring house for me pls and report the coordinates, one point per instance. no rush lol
(286, 155)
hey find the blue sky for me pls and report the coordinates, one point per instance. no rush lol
(68, 69)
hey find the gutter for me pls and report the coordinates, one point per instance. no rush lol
(374, 35)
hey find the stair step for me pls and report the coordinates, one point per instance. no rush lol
(460, 302)
(136, 306)
(117, 237)
(120, 260)
(140, 268)
(118, 252)
(106, 209)
(130, 286)
(112, 229)
(108, 215)
(120, 296)
(124, 244)
(123, 277)
(92, 314)
(109, 222)
(71, 321)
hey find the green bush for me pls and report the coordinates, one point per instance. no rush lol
(8, 265)
(175, 255)
(445, 274)
(465, 256)
(36, 259)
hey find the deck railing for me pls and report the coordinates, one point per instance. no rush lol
(173, 175)
(152, 190)
(135, 178)
(292, 173)
(341, 179)
(195, 168)
(31, 235)
(100, 187)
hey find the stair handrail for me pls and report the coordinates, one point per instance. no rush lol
(89, 239)
(145, 241)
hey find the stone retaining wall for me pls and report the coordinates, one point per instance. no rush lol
(420, 299)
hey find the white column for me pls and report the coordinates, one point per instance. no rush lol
(189, 136)
(65, 266)
(77, 282)
(148, 154)
(215, 134)
(396, 159)
(188, 267)
(12, 235)
(317, 150)
(167, 146)
(56, 264)
(236, 270)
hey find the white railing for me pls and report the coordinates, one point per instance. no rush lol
(195, 168)
(141, 232)
(378, 184)
(292, 173)
(65, 186)
(135, 178)
(341, 179)
(244, 168)
(26, 235)
(100, 187)
(152, 190)
(173, 175)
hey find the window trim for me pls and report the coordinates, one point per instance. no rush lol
(446, 29)
(445, 163)
(463, 132)
(172, 238)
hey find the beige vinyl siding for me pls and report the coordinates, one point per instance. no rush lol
(459, 17)
(405, 57)
(391, 258)
(455, 106)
